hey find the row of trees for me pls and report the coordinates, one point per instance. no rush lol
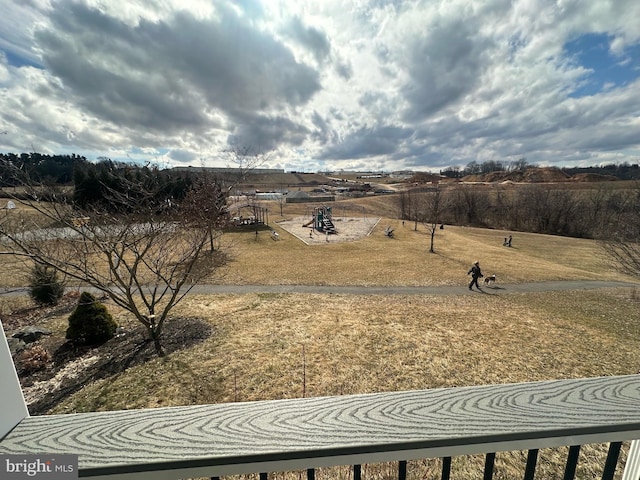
(92, 183)
(95, 183)
(475, 168)
(623, 171)
(48, 169)
(610, 215)
(594, 212)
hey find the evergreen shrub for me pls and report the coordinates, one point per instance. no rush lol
(90, 323)
(45, 287)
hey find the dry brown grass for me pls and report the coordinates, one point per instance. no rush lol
(283, 346)
(269, 346)
(405, 259)
(377, 260)
(360, 344)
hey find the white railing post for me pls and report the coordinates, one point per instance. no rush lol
(632, 467)
(14, 408)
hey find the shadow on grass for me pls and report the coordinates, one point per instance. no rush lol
(126, 350)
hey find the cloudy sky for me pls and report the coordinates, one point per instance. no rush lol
(323, 84)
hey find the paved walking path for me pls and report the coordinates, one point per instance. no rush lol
(496, 289)
(400, 290)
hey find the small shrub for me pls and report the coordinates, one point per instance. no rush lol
(33, 359)
(45, 287)
(90, 323)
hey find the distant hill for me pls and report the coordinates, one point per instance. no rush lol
(593, 177)
(294, 180)
(622, 171)
(421, 177)
(539, 175)
(530, 175)
(284, 180)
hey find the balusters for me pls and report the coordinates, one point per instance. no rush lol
(532, 460)
(357, 472)
(446, 468)
(572, 462)
(489, 463)
(612, 460)
(402, 470)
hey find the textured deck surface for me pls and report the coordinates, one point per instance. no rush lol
(276, 435)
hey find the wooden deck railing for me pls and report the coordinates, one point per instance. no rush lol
(284, 435)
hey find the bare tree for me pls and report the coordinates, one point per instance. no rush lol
(434, 206)
(413, 209)
(204, 204)
(469, 205)
(282, 199)
(245, 158)
(624, 250)
(403, 205)
(622, 244)
(144, 255)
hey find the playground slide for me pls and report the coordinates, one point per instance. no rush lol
(308, 223)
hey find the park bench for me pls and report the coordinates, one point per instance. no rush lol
(307, 433)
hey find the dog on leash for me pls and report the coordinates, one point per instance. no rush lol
(490, 280)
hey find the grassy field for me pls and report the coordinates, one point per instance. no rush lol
(269, 346)
(405, 259)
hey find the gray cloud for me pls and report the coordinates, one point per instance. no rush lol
(182, 156)
(312, 38)
(443, 65)
(367, 142)
(344, 70)
(266, 132)
(170, 75)
(323, 131)
(418, 84)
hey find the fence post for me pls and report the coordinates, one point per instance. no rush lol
(14, 408)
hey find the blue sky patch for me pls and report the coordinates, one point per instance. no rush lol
(15, 60)
(607, 71)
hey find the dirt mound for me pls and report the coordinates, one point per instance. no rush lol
(422, 177)
(530, 175)
(545, 175)
(593, 177)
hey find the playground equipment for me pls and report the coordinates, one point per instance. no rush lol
(322, 220)
(250, 214)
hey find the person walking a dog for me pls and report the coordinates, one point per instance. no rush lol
(475, 273)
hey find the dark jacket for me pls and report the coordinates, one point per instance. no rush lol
(475, 271)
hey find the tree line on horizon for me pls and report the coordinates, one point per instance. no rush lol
(621, 171)
(59, 169)
(94, 183)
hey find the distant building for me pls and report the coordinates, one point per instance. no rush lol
(269, 196)
(303, 197)
(256, 171)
